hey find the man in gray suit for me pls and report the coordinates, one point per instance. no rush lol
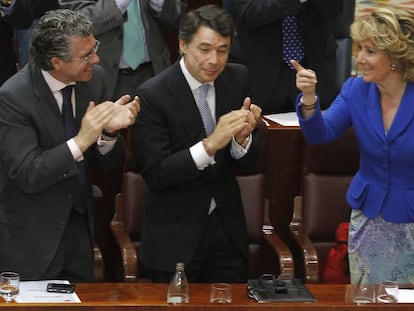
(50, 139)
(111, 18)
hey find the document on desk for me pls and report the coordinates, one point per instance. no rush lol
(406, 296)
(35, 292)
(285, 119)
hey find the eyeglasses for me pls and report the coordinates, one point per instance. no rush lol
(87, 57)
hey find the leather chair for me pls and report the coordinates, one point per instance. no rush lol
(328, 170)
(267, 251)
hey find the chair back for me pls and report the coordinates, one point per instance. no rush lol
(328, 170)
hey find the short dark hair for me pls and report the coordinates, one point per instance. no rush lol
(52, 35)
(211, 16)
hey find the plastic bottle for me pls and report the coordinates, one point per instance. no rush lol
(364, 290)
(178, 289)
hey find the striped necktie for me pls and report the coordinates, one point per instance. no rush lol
(205, 111)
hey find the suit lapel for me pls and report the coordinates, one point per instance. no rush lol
(374, 112)
(187, 110)
(47, 107)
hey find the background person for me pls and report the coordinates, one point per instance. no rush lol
(192, 207)
(260, 46)
(378, 105)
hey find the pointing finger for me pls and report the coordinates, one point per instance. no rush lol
(296, 65)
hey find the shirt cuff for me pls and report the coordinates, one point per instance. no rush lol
(74, 150)
(237, 151)
(200, 156)
(156, 5)
(123, 5)
(105, 145)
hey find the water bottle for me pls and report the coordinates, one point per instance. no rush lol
(178, 290)
(364, 290)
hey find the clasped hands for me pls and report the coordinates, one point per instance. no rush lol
(237, 123)
(111, 116)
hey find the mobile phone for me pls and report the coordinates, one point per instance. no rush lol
(60, 288)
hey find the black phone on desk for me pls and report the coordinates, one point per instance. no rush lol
(60, 288)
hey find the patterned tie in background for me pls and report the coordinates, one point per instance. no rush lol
(205, 111)
(133, 44)
(292, 40)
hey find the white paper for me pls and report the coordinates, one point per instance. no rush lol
(285, 119)
(35, 291)
(406, 295)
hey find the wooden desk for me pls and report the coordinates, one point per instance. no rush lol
(147, 296)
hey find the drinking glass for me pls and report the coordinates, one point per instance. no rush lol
(387, 292)
(220, 293)
(9, 285)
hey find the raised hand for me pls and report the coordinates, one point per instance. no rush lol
(124, 113)
(305, 79)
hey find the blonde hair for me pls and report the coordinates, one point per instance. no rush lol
(391, 30)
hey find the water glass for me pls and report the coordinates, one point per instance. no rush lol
(220, 293)
(387, 292)
(9, 285)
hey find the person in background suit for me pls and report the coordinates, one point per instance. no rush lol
(13, 14)
(23, 36)
(379, 106)
(110, 18)
(46, 205)
(192, 208)
(259, 45)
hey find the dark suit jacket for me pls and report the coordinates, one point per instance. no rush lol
(108, 22)
(37, 168)
(259, 42)
(178, 197)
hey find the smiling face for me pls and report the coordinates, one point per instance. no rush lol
(375, 64)
(205, 56)
(77, 69)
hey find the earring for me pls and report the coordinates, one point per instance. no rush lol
(394, 67)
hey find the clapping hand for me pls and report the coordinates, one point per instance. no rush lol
(123, 114)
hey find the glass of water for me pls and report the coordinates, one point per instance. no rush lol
(9, 285)
(387, 292)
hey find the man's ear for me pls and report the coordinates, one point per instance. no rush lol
(183, 46)
(56, 63)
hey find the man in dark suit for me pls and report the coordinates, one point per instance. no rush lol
(50, 139)
(193, 211)
(110, 19)
(259, 45)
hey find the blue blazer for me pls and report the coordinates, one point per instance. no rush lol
(384, 183)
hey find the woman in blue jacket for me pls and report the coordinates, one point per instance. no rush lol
(379, 105)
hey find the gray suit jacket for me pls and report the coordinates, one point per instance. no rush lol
(108, 21)
(37, 168)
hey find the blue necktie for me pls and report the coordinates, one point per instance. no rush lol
(133, 42)
(292, 40)
(205, 111)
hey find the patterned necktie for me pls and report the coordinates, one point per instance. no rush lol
(292, 40)
(67, 112)
(133, 42)
(205, 111)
